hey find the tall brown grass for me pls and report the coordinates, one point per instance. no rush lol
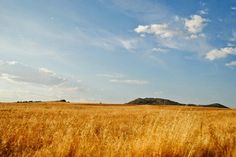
(62, 129)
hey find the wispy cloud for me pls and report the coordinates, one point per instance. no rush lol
(129, 44)
(26, 82)
(32, 36)
(47, 71)
(231, 64)
(160, 30)
(131, 82)
(220, 53)
(159, 50)
(19, 72)
(139, 9)
(230, 44)
(169, 33)
(233, 37)
(122, 79)
(114, 75)
(203, 12)
(233, 8)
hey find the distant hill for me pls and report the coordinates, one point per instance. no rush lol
(153, 101)
(160, 101)
(215, 105)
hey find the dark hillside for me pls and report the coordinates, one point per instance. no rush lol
(160, 101)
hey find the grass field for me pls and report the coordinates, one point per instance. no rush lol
(67, 129)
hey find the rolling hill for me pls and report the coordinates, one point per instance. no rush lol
(161, 101)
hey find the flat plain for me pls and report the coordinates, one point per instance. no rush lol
(73, 129)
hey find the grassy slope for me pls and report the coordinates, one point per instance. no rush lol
(62, 129)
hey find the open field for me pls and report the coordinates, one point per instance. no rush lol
(67, 129)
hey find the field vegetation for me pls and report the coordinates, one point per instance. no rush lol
(63, 129)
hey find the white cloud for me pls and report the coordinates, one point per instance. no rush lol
(177, 18)
(114, 42)
(203, 12)
(195, 24)
(22, 73)
(79, 81)
(195, 36)
(12, 62)
(8, 77)
(231, 64)
(129, 44)
(22, 82)
(142, 29)
(233, 8)
(179, 33)
(161, 30)
(121, 78)
(12, 91)
(114, 75)
(45, 70)
(159, 50)
(220, 53)
(126, 81)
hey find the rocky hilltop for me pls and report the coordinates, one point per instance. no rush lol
(160, 101)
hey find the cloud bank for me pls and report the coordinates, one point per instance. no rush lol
(18, 72)
(29, 83)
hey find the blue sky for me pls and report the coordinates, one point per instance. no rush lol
(116, 50)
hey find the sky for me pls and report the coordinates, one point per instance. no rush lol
(113, 51)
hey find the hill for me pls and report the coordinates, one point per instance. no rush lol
(215, 105)
(161, 101)
(153, 101)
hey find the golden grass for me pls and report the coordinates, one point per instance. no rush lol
(63, 129)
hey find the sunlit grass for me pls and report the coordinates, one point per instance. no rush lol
(63, 129)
